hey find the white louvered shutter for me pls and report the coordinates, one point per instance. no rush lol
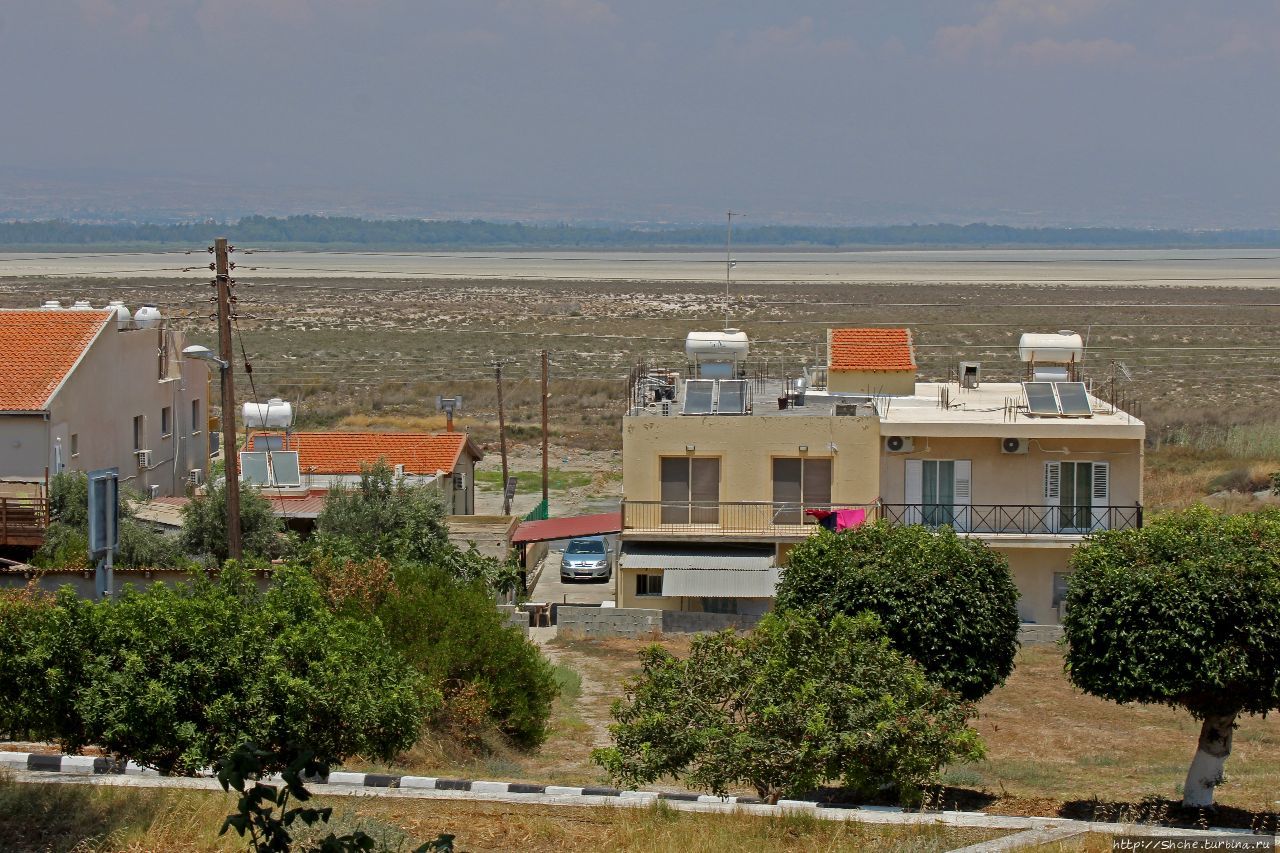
(1052, 483)
(1101, 497)
(963, 492)
(914, 491)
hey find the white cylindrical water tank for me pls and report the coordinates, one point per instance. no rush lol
(1061, 348)
(729, 345)
(51, 305)
(147, 317)
(81, 305)
(275, 413)
(124, 320)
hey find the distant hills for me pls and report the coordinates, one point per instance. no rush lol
(320, 232)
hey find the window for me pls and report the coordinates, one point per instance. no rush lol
(1060, 580)
(938, 492)
(1082, 493)
(799, 484)
(166, 422)
(139, 432)
(196, 426)
(75, 444)
(690, 490)
(648, 584)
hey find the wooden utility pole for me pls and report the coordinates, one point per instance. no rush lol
(502, 437)
(222, 280)
(545, 398)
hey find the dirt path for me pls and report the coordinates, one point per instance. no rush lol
(600, 686)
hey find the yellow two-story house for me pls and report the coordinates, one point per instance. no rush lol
(725, 468)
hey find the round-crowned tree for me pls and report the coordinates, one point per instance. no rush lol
(1182, 612)
(947, 601)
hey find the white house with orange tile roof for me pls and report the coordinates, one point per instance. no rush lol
(447, 459)
(82, 389)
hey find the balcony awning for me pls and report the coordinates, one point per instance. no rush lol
(720, 583)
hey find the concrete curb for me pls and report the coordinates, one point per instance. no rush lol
(77, 767)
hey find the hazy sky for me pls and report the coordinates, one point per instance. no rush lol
(859, 111)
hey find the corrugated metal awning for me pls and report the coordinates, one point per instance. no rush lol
(720, 583)
(640, 556)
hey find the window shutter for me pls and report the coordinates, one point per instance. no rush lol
(913, 494)
(1052, 483)
(963, 493)
(1101, 484)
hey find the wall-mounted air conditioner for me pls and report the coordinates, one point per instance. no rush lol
(1014, 445)
(196, 477)
(153, 491)
(459, 482)
(898, 444)
(144, 458)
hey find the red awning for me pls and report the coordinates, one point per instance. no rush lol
(568, 528)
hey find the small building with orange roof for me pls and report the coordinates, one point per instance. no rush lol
(871, 361)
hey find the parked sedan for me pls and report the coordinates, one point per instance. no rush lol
(586, 559)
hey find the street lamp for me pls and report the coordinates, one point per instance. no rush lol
(231, 466)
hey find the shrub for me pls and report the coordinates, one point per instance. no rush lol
(382, 516)
(1183, 612)
(66, 543)
(204, 525)
(795, 703)
(43, 647)
(946, 601)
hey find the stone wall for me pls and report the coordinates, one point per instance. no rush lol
(1039, 635)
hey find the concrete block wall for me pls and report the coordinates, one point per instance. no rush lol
(603, 623)
(683, 622)
(1039, 635)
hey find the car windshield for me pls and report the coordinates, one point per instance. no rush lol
(585, 547)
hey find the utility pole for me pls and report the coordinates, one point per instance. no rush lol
(728, 265)
(222, 280)
(545, 397)
(502, 436)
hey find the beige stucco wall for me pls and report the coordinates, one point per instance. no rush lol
(746, 447)
(1017, 478)
(24, 446)
(117, 379)
(898, 382)
(1033, 570)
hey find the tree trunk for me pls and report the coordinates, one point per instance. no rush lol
(1211, 754)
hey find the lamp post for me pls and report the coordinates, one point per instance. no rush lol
(231, 466)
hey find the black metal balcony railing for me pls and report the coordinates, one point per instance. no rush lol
(1027, 519)
(732, 517)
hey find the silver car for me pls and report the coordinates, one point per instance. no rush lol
(587, 559)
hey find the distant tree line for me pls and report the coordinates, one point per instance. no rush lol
(476, 233)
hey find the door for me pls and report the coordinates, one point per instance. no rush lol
(690, 490)
(800, 484)
(1080, 493)
(938, 492)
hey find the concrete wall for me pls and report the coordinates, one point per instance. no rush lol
(24, 447)
(1033, 570)
(746, 447)
(598, 623)
(117, 379)
(1018, 478)
(896, 382)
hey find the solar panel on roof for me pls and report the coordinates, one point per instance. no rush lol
(284, 467)
(253, 468)
(1074, 399)
(697, 396)
(1040, 398)
(733, 397)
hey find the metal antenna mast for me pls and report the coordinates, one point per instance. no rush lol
(728, 264)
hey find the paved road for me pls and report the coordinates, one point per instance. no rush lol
(552, 590)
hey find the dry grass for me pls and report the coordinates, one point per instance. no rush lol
(53, 818)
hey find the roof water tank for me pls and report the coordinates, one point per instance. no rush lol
(52, 305)
(81, 305)
(147, 317)
(729, 345)
(124, 320)
(1062, 348)
(273, 414)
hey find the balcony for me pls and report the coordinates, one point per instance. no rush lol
(762, 521)
(1016, 519)
(23, 521)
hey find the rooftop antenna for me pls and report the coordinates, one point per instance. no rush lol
(728, 264)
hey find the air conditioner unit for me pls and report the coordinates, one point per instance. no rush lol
(459, 482)
(898, 444)
(1014, 445)
(144, 458)
(196, 477)
(153, 491)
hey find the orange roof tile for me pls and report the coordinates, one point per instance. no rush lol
(38, 348)
(871, 349)
(344, 452)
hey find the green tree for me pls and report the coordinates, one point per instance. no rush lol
(204, 525)
(178, 677)
(797, 702)
(947, 601)
(1183, 612)
(66, 543)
